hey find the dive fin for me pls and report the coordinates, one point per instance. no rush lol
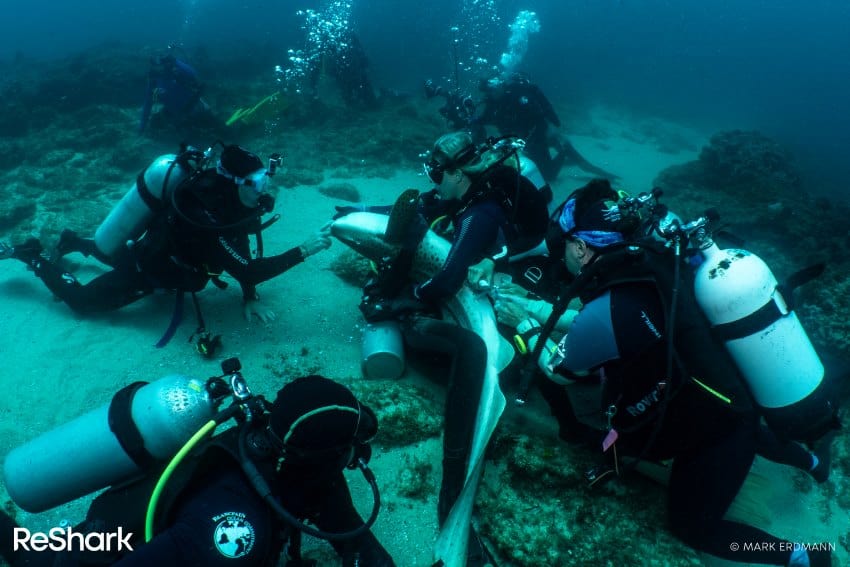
(568, 152)
(799, 278)
(267, 107)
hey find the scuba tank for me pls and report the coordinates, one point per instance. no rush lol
(743, 301)
(530, 171)
(753, 316)
(148, 427)
(149, 194)
(142, 425)
(382, 350)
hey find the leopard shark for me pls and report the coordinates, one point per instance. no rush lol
(365, 233)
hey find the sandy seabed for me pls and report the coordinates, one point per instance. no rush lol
(58, 365)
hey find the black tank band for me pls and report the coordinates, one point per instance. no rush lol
(122, 425)
(760, 319)
(155, 204)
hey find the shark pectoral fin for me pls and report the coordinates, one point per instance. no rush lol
(506, 353)
(403, 214)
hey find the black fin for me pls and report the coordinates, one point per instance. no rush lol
(799, 278)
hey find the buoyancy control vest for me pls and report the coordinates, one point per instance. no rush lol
(525, 206)
(202, 205)
(704, 382)
(124, 505)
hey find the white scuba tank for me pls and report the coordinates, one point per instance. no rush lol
(742, 300)
(530, 171)
(93, 451)
(129, 218)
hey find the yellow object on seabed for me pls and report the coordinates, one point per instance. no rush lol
(267, 108)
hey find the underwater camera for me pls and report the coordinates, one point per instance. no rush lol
(275, 161)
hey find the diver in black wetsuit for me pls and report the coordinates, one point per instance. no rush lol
(689, 403)
(346, 62)
(494, 211)
(211, 515)
(207, 233)
(517, 107)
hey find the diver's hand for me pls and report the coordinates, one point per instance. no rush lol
(511, 289)
(375, 308)
(342, 210)
(318, 242)
(480, 275)
(252, 308)
(510, 310)
(6, 251)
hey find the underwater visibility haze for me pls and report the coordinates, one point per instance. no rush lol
(735, 105)
(780, 67)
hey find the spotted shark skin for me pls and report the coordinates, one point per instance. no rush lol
(364, 233)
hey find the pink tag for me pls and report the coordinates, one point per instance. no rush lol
(609, 440)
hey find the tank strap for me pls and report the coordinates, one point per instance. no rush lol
(150, 200)
(125, 430)
(756, 321)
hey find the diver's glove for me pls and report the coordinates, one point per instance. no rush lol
(29, 252)
(527, 332)
(376, 308)
(342, 210)
(6, 251)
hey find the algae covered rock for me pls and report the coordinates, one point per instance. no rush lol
(535, 508)
(341, 191)
(748, 158)
(406, 413)
(351, 267)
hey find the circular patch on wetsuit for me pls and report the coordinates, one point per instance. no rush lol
(234, 535)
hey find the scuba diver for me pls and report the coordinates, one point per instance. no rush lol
(174, 87)
(347, 64)
(495, 211)
(671, 390)
(241, 497)
(459, 110)
(494, 199)
(497, 208)
(180, 226)
(517, 107)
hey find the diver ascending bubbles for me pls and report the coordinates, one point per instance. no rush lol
(179, 496)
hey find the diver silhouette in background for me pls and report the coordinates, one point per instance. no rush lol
(173, 96)
(516, 106)
(346, 63)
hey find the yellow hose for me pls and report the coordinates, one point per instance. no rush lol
(166, 474)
